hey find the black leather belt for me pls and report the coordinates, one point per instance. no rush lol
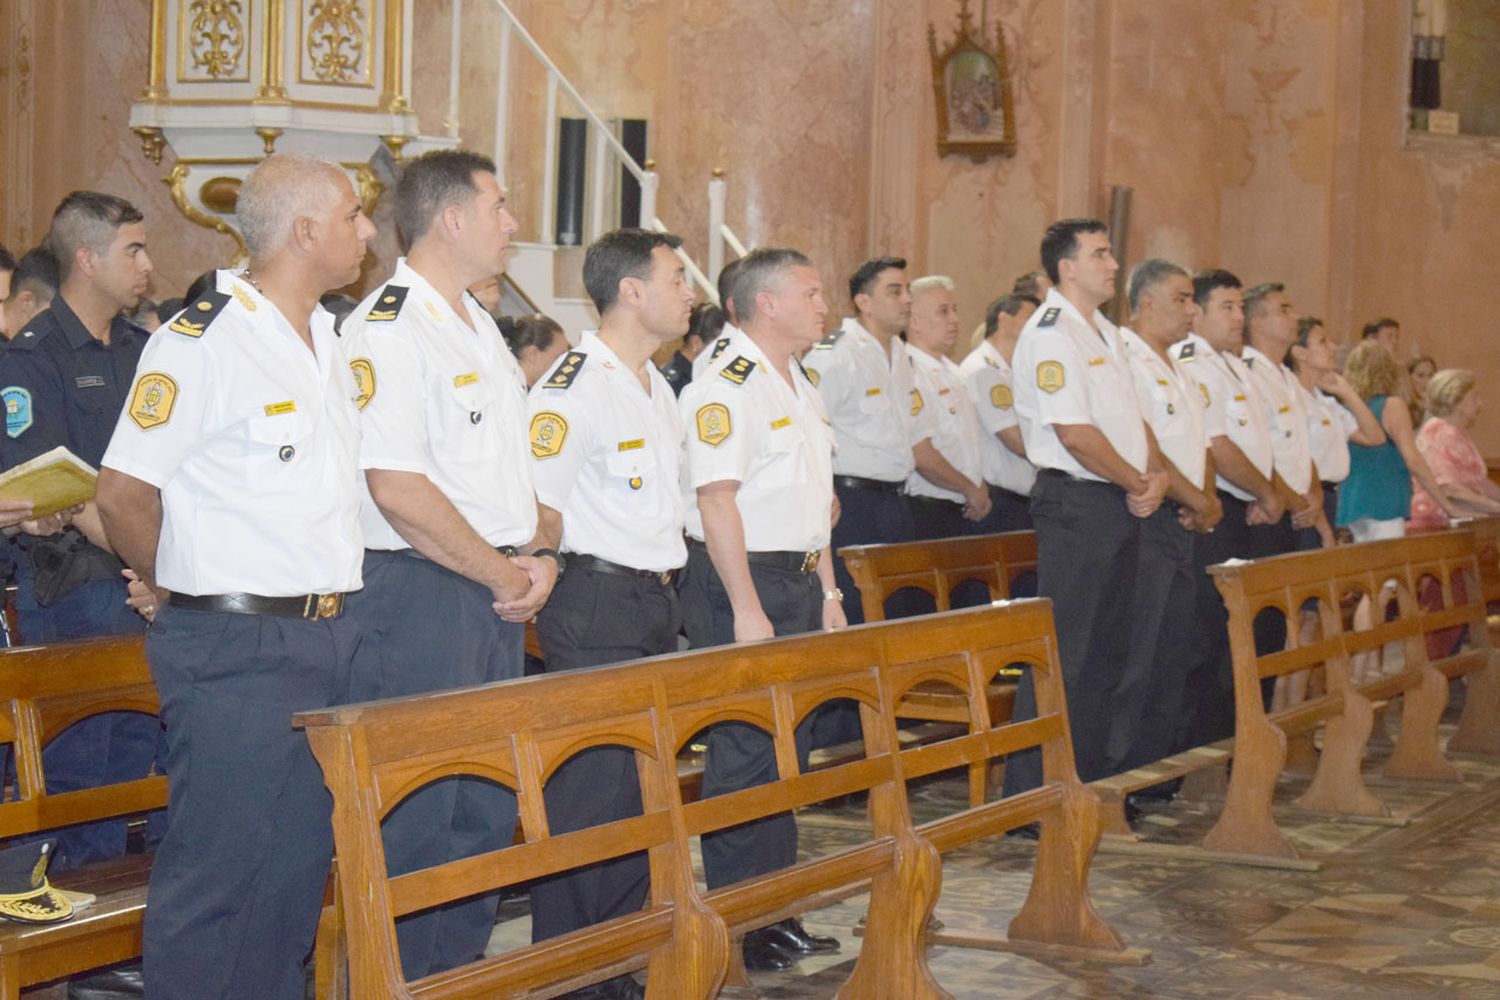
(934, 500)
(872, 485)
(578, 560)
(313, 607)
(504, 550)
(791, 562)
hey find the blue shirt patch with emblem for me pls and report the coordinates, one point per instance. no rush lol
(17, 410)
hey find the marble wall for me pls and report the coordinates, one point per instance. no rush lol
(1266, 136)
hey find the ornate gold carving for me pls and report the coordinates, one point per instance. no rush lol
(271, 89)
(268, 137)
(971, 82)
(370, 188)
(220, 194)
(394, 143)
(214, 40)
(152, 142)
(393, 99)
(335, 42)
(176, 182)
(156, 81)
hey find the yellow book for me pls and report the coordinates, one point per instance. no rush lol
(52, 482)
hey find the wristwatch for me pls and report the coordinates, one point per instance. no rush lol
(833, 595)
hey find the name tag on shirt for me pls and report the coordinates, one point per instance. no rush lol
(777, 425)
(631, 445)
(873, 392)
(1095, 362)
(88, 381)
(459, 381)
(277, 409)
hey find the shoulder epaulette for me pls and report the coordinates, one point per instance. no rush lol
(829, 341)
(567, 371)
(193, 320)
(738, 370)
(719, 346)
(1187, 351)
(388, 306)
(1249, 362)
(1049, 317)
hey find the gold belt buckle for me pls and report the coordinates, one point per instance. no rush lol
(321, 606)
(665, 577)
(810, 561)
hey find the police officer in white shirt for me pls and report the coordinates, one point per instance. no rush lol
(448, 506)
(1165, 642)
(1249, 491)
(606, 446)
(991, 384)
(1098, 479)
(865, 378)
(1270, 331)
(1336, 415)
(946, 491)
(230, 489)
(713, 354)
(759, 457)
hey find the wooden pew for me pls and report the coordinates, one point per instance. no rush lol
(518, 732)
(1345, 710)
(49, 688)
(936, 568)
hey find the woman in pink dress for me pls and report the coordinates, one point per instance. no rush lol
(1455, 461)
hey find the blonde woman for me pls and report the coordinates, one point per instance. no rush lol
(1457, 465)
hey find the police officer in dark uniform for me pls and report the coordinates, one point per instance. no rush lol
(66, 377)
(759, 458)
(230, 489)
(448, 508)
(606, 445)
(705, 325)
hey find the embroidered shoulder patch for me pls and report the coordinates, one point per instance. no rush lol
(1050, 376)
(713, 424)
(151, 402)
(193, 320)
(916, 402)
(1000, 396)
(548, 432)
(567, 371)
(17, 410)
(1049, 317)
(364, 381)
(387, 305)
(738, 370)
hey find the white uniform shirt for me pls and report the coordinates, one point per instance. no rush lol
(252, 440)
(991, 387)
(745, 423)
(1067, 373)
(948, 418)
(1172, 405)
(1235, 407)
(445, 401)
(869, 401)
(609, 456)
(1329, 427)
(712, 354)
(1290, 451)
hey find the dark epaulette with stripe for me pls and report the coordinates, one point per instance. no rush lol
(829, 341)
(567, 371)
(719, 346)
(1049, 317)
(738, 370)
(388, 306)
(195, 319)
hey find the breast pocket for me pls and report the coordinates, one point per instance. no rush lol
(782, 465)
(469, 413)
(278, 451)
(632, 479)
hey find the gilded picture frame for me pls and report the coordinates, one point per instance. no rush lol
(972, 87)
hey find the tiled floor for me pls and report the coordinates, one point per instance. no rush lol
(1396, 910)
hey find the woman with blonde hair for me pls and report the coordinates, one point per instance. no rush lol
(1375, 500)
(1456, 464)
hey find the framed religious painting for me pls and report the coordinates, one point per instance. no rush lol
(971, 82)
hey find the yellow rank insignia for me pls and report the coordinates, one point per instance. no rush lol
(565, 373)
(193, 320)
(387, 305)
(548, 432)
(1203, 389)
(243, 297)
(364, 381)
(1049, 376)
(1000, 396)
(151, 402)
(738, 370)
(916, 402)
(713, 424)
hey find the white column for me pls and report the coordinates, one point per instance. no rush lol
(599, 209)
(549, 165)
(455, 58)
(649, 184)
(716, 198)
(502, 98)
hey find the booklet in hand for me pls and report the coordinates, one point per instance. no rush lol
(52, 481)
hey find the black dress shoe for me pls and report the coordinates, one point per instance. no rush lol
(763, 956)
(619, 988)
(120, 982)
(791, 937)
(1133, 811)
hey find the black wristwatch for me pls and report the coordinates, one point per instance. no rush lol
(555, 555)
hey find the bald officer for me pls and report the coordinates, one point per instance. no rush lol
(606, 446)
(230, 487)
(864, 375)
(759, 461)
(991, 384)
(447, 508)
(1165, 642)
(1076, 402)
